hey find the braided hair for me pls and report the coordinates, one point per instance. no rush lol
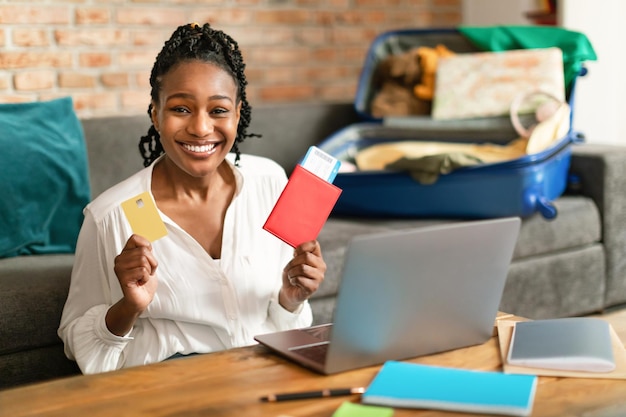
(194, 42)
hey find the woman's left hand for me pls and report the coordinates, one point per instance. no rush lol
(303, 275)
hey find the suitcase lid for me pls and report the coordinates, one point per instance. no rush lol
(575, 45)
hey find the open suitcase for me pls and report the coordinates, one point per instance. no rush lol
(518, 187)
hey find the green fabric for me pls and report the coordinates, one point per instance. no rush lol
(576, 46)
(44, 182)
(349, 409)
(426, 169)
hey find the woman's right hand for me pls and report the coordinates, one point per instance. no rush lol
(135, 268)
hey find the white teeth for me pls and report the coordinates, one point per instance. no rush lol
(199, 148)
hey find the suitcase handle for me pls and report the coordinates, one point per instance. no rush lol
(546, 208)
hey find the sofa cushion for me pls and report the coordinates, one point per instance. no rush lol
(35, 365)
(559, 284)
(44, 179)
(577, 224)
(113, 149)
(34, 289)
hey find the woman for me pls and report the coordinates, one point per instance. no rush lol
(216, 279)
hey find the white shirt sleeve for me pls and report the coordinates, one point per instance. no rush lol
(285, 319)
(83, 329)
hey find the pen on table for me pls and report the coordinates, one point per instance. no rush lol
(312, 394)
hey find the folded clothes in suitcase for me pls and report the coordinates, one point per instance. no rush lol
(519, 186)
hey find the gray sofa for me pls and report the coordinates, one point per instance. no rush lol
(572, 265)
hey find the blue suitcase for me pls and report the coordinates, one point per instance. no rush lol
(519, 187)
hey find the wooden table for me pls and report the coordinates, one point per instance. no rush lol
(230, 384)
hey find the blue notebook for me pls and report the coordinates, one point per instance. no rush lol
(409, 385)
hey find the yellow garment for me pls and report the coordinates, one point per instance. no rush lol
(377, 157)
(425, 161)
(426, 170)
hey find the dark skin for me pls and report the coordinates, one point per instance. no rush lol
(197, 116)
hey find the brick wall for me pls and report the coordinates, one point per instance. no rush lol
(101, 51)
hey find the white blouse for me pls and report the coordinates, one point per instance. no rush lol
(200, 305)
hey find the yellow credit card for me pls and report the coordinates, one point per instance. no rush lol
(143, 216)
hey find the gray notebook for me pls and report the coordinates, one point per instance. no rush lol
(573, 344)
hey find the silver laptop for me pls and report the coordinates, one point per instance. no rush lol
(409, 293)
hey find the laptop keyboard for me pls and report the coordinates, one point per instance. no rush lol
(316, 352)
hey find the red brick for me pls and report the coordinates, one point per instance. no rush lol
(324, 18)
(21, 14)
(92, 15)
(142, 79)
(447, 18)
(415, 4)
(377, 3)
(257, 35)
(287, 17)
(138, 59)
(47, 95)
(418, 19)
(30, 37)
(14, 98)
(287, 93)
(339, 4)
(280, 56)
(355, 54)
(448, 3)
(308, 3)
(93, 37)
(94, 59)
(152, 37)
(16, 60)
(255, 75)
(253, 96)
(4, 81)
(249, 2)
(338, 92)
(325, 74)
(202, 2)
(328, 54)
(136, 100)
(95, 101)
(115, 79)
(279, 75)
(34, 80)
(352, 36)
(221, 17)
(150, 16)
(312, 36)
(76, 80)
(360, 17)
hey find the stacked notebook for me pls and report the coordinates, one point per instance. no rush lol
(409, 385)
(582, 347)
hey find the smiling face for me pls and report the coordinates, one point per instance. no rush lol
(196, 115)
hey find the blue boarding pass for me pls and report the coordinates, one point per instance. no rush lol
(321, 164)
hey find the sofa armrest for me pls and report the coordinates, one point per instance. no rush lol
(601, 170)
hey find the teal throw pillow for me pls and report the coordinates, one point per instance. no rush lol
(44, 182)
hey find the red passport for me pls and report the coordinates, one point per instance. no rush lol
(302, 208)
